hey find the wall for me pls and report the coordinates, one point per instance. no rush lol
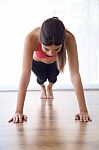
(17, 18)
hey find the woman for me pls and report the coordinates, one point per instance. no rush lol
(45, 53)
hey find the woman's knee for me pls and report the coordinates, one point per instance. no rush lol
(52, 79)
(41, 80)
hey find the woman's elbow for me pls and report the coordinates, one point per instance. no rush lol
(75, 77)
(25, 78)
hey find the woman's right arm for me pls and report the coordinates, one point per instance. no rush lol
(29, 45)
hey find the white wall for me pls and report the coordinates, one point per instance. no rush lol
(18, 17)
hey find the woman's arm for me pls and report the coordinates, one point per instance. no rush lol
(25, 76)
(75, 77)
(29, 46)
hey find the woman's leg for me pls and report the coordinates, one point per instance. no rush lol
(43, 92)
(49, 91)
(40, 70)
(53, 72)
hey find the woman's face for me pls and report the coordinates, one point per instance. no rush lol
(52, 49)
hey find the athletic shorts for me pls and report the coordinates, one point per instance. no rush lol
(45, 71)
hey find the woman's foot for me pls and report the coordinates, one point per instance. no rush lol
(43, 92)
(49, 93)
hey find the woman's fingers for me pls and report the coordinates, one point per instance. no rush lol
(18, 118)
(10, 120)
(89, 118)
(83, 117)
(14, 119)
(22, 118)
(25, 117)
(77, 117)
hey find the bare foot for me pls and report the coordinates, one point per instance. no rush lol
(49, 93)
(43, 92)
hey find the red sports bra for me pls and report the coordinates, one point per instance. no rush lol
(39, 52)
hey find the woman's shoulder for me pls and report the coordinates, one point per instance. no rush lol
(34, 34)
(70, 38)
(69, 34)
(33, 37)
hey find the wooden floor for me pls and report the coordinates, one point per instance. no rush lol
(51, 124)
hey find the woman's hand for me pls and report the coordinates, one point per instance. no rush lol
(83, 116)
(18, 118)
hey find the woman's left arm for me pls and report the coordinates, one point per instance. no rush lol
(76, 78)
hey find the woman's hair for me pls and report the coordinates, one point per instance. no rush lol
(53, 33)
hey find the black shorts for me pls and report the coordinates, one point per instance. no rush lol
(45, 71)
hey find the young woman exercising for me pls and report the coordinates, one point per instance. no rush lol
(45, 54)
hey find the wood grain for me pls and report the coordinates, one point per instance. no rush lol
(51, 124)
